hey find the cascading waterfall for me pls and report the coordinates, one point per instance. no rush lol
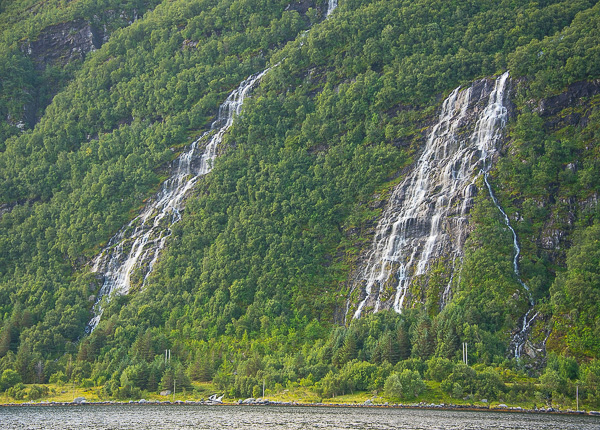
(427, 214)
(331, 5)
(137, 245)
(518, 340)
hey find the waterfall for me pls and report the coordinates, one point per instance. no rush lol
(331, 5)
(519, 338)
(486, 130)
(427, 214)
(138, 244)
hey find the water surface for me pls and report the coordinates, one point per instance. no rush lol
(137, 417)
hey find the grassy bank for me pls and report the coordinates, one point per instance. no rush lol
(302, 395)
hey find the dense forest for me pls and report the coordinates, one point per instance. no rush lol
(97, 98)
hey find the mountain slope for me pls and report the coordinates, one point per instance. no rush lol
(261, 265)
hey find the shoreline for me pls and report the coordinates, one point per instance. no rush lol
(443, 407)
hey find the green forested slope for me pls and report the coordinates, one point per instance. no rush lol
(97, 152)
(254, 280)
(30, 79)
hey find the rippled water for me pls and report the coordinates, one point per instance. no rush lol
(268, 417)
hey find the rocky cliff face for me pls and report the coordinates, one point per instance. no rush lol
(569, 108)
(61, 44)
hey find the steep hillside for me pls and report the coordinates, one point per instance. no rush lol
(407, 176)
(43, 44)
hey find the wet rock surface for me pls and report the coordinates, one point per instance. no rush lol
(426, 216)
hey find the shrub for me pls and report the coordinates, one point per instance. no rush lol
(463, 375)
(37, 392)
(58, 378)
(489, 384)
(17, 392)
(9, 379)
(407, 384)
(439, 369)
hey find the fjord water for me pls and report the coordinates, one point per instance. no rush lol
(137, 417)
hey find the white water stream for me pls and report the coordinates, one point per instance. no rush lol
(519, 338)
(427, 214)
(498, 112)
(331, 5)
(138, 245)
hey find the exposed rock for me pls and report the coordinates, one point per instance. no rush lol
(301, 6)
(63, 43)
(571, 97)
(589, 204)
(426, 216)
(189, 44)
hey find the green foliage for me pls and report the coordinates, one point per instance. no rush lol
(463, 376)
(75, 177)
(17, 392)
(37, 392)
(575, 293)
(359, 374)
(58, 378)
(252, 284)
(489, 384)
(563, 58)
(591, 380)
(406, 385)
(29, 81)
(439, 369)
(488, 277)
(9, 379)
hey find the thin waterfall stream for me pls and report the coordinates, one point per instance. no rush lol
(331, 5)
(519, 338)
(137, 246)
